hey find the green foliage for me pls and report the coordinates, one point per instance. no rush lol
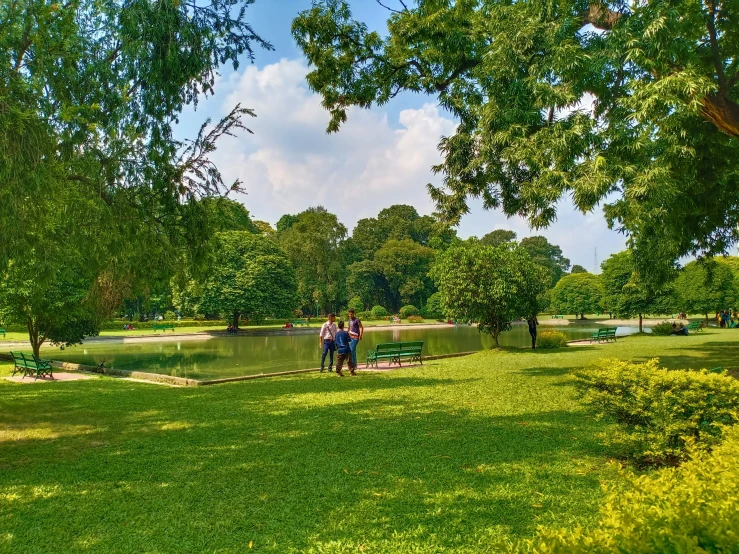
(706, 288)
(379, 312)
(433, 306)
(251, 277)
(520, 78)
(498, 237)
(692, 508)
(662, 329)
(356, 304)
(415, 319)
(660, 414)
(547, 255)
(487, 285)
(405, 264)
(578, 269)
(408, 310)
(225, 214)
(169, 315)
(551, 339)
(313, 242)
(580, 293)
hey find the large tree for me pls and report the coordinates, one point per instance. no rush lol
(548, 255)
(497, 237)
(94, 183)
(632, 103)
(405, 264)
(577, 294)
(488, 285)
(706, 288)
(626, 295)
(249, 276)
(313, 243)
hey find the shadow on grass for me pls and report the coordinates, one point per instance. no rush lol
(704, 356)
(287, 463)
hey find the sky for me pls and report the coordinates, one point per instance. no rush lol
(380, 157)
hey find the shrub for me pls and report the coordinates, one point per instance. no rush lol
(408, 310)
(662, 329)
(379, 312)
(551, 339)
(660, 413)
(693, 508)
(415, 319)
(433, 306)
(355, 304)
(169, 315)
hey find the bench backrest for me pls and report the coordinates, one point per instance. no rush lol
(388, 347)
(411, 346)
(17, 357)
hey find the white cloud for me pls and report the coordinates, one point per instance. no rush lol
(290, 162)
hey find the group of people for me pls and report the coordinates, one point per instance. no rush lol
(727, 319)
(334, 338)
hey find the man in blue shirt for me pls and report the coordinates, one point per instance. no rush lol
(344, 351)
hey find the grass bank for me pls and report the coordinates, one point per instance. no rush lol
(449, 457)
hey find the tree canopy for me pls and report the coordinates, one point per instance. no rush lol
(632, 104)
(548, 255)
(577, 294)
(489, 285)
(706, 289)
(499, 236)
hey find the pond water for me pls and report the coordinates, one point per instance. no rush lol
(230, 356)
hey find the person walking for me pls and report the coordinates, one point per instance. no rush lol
(343, 351)
(327, 340)
(356, 331)
(533, 322)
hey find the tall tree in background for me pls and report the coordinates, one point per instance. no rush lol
(706, 288)
(577, 294)
(578, 269)
(582, 99)
(626, 295)
(405, 265)
(488, 285)
(548, 255)
(497, 237)
(89, 92)
(313, 244)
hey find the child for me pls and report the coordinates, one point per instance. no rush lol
(345, 352)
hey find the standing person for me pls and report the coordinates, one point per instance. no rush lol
(726, 318)
(533, 322)
(344, 352)
(356, 331)
(327, 341)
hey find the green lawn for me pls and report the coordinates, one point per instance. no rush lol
(446, 458)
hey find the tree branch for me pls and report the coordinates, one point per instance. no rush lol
(600, 16)
(715, 52)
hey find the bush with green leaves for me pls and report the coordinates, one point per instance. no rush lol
(408, 310)
(693, 508)
(551, 339)
(660, 413)
(379, 312)
(355, 304)
(169, 315)
(433, 307)
(662, 329)
(415, 319)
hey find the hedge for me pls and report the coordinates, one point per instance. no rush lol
(409, 310)
(551, 339)
(660, 413)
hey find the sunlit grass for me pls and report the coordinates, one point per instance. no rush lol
(448, 457)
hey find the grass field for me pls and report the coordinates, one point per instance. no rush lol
(450, 457)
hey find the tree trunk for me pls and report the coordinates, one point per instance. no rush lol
(640, 323)
(495, 338)
(722, 112)
(237, 315)
(33, 336)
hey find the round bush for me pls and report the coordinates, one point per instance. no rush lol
(169, 315)
(662, 329)
(415, 319)
(551, 339)
(407, 311)
(379, 312)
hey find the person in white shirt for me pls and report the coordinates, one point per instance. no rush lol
(327, 341)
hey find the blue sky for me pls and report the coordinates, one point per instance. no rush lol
(380, 157)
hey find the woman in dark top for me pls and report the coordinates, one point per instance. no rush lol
(533, 322)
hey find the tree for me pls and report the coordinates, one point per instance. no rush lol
(625, 294)
(312, 243)
(577, 294)
(547, 255)
(366, 282)
(578, 269)
(225, 214)
(405, 265)
(250, 276)
(499, 236)
(579, 99)
(488, 285)
(706, 288)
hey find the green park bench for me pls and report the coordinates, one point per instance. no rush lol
(303, 322)
(604, 334)
(395, 352)
(163, 327)
(557, 316)
(695, 326)
(2, 332)
(28, 364)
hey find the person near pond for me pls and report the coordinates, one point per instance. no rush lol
(533, 322)
(681, 330)
(327, 340)
(356, 331)
(344, 351)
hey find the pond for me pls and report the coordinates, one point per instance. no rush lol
(229, 356)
